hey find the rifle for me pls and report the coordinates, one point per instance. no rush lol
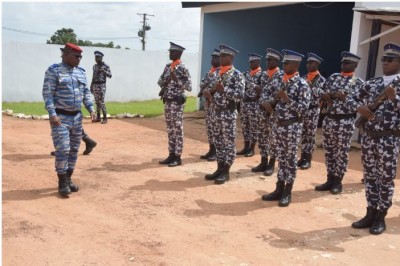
(164, 87)
(361, 121)
(277, 98)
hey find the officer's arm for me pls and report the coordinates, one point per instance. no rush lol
(358, 96)
(301, 104)
(235, 92)
(108, 72)
(87, 99)
(163, 79)
(49, 87)
(184, 80)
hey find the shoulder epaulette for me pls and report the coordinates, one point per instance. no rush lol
(80, 68)
(53, 66)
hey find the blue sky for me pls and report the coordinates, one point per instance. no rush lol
(109, 20)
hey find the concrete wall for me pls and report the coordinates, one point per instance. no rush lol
(135, 73)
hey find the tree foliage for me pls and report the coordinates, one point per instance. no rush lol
(67, 35)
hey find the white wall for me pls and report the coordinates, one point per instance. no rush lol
(135, 73)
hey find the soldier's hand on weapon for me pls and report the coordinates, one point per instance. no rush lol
(267, 107)
(364, 111)
(173, 76)
(55, 121)
(219, 87)
(207, 94)
(200, 94)
(390, 93)
(258, 89)
(327, 98)
(341, 96)
(282, 95)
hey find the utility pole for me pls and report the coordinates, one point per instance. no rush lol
(145, 27)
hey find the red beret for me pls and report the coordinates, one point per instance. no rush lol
(73, 47)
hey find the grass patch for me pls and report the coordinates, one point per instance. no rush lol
(149, 108)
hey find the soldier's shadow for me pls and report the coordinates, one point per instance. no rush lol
(24, 157)
(243, 208)
(30, 194)
(327, 239)
(174, 185)
(135, 167)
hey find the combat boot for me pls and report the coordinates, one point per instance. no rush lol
(250, 152)
(301, 160)
(271, 167)
(216, 173)
(98, 119)
(213, 155)
(175, 161)
(379, 226)
(224, 176)
(53, 153)
(63, 188)
(327, 185)
(367, 221)
(90, 144)
(168, 160)
(286, 196)
(73, 187)
(205, 156)
(245, 149)
(262, 166)
(306, 162)
(276, 194)
(104, 118)
(336, 185)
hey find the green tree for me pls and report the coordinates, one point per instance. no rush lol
(63, 36)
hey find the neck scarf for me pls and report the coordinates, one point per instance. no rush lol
(224, 69)
(348, 74)
(271, 72)
(175, 63)
(312, 75)
(286, 77)
(254, 71)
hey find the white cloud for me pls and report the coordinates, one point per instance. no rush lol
(106, 19)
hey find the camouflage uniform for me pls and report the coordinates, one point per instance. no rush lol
(379, 150)
(226, 115)
(98, 87)
(249, 106)
(338, 125)
(64, 90)
(209, 109)
(173, 97)
(265, 121)
(310, 119)
(288, 126)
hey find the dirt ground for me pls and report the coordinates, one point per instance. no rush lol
(132, 211)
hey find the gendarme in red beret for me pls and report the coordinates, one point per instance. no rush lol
(73, 47)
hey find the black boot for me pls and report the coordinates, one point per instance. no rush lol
(224, 176)
(245, 149)
(63, 188)
(250, 152)
(271, 167)
(327, 185)
(216, 173)
(262, 166)
(276, 194)
(306, 162)
(73, 187)
(205, 156)
(168, 159)
(98, 119)
(379, 226)
(90, 144)
(301, 160)
(104, 118)
(213, 155)
(53, 153)
(286, 196)
(367, 221)
(176, 161)
(337, 185)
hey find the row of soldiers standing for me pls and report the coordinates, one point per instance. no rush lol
(280, 110)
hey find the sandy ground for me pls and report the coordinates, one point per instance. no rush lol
(132, 211)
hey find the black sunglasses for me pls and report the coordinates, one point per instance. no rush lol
(387, 59)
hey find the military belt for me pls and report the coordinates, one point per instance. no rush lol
(178, 99)
(386, 133)
(282, 123)
(65, 112)
(341, 116)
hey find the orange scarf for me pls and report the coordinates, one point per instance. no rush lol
(349, 74)
(212, 70)
(312, 75)
(254, 71)
(224, 69)
(271, 72)
(286, 77)
(175, 63)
